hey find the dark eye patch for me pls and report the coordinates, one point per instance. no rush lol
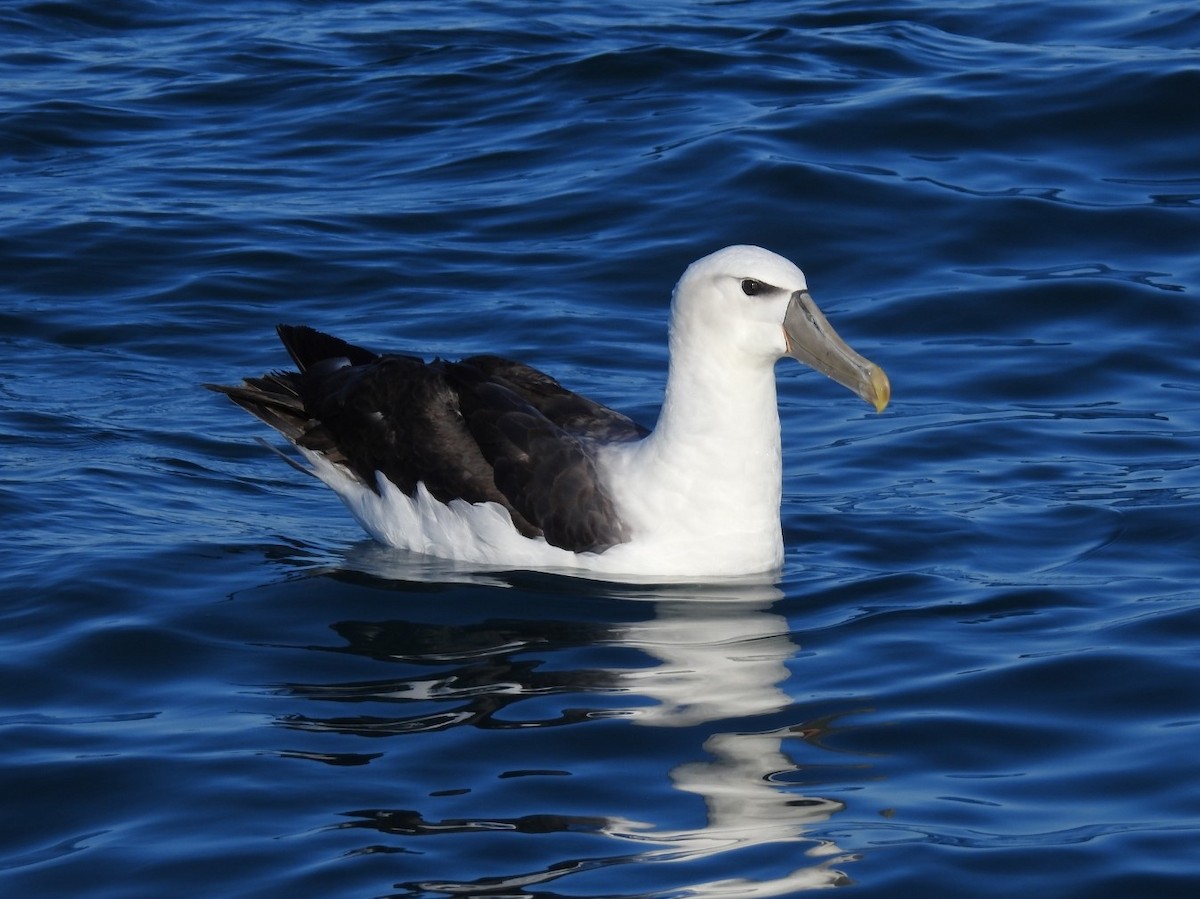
(752, 288)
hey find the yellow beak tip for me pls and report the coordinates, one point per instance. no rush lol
(881, 390)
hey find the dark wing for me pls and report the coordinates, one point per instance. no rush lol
(547, 473)
(391, 414)
(573, 413)
(464, 429)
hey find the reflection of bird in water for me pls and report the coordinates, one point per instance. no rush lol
(721, 657)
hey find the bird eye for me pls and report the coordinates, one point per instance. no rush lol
(752, 288)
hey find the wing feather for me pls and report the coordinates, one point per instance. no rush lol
(483, 430)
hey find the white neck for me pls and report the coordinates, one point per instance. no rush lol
(722, 420)
(708, 479)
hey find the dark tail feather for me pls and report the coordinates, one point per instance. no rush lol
(308, 346)
(277, 399)
(272, 398)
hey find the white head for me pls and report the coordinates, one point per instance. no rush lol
(747, 303)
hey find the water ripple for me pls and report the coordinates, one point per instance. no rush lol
(975, 674)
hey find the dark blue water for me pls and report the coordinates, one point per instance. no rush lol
(978, 674)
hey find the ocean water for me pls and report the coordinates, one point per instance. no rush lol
(978, 673)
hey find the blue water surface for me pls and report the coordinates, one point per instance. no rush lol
(977, 674)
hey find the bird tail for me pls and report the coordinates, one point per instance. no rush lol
(274, 398)
(308, 346)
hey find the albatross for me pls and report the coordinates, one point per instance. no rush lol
(490, 461)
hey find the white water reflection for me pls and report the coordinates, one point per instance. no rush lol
(725, 658)
(720, 658)
(719, 661)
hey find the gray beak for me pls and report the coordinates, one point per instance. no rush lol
(812, 340)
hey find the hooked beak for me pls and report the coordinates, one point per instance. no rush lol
(812, 340)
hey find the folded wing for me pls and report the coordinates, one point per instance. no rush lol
(485, 429)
